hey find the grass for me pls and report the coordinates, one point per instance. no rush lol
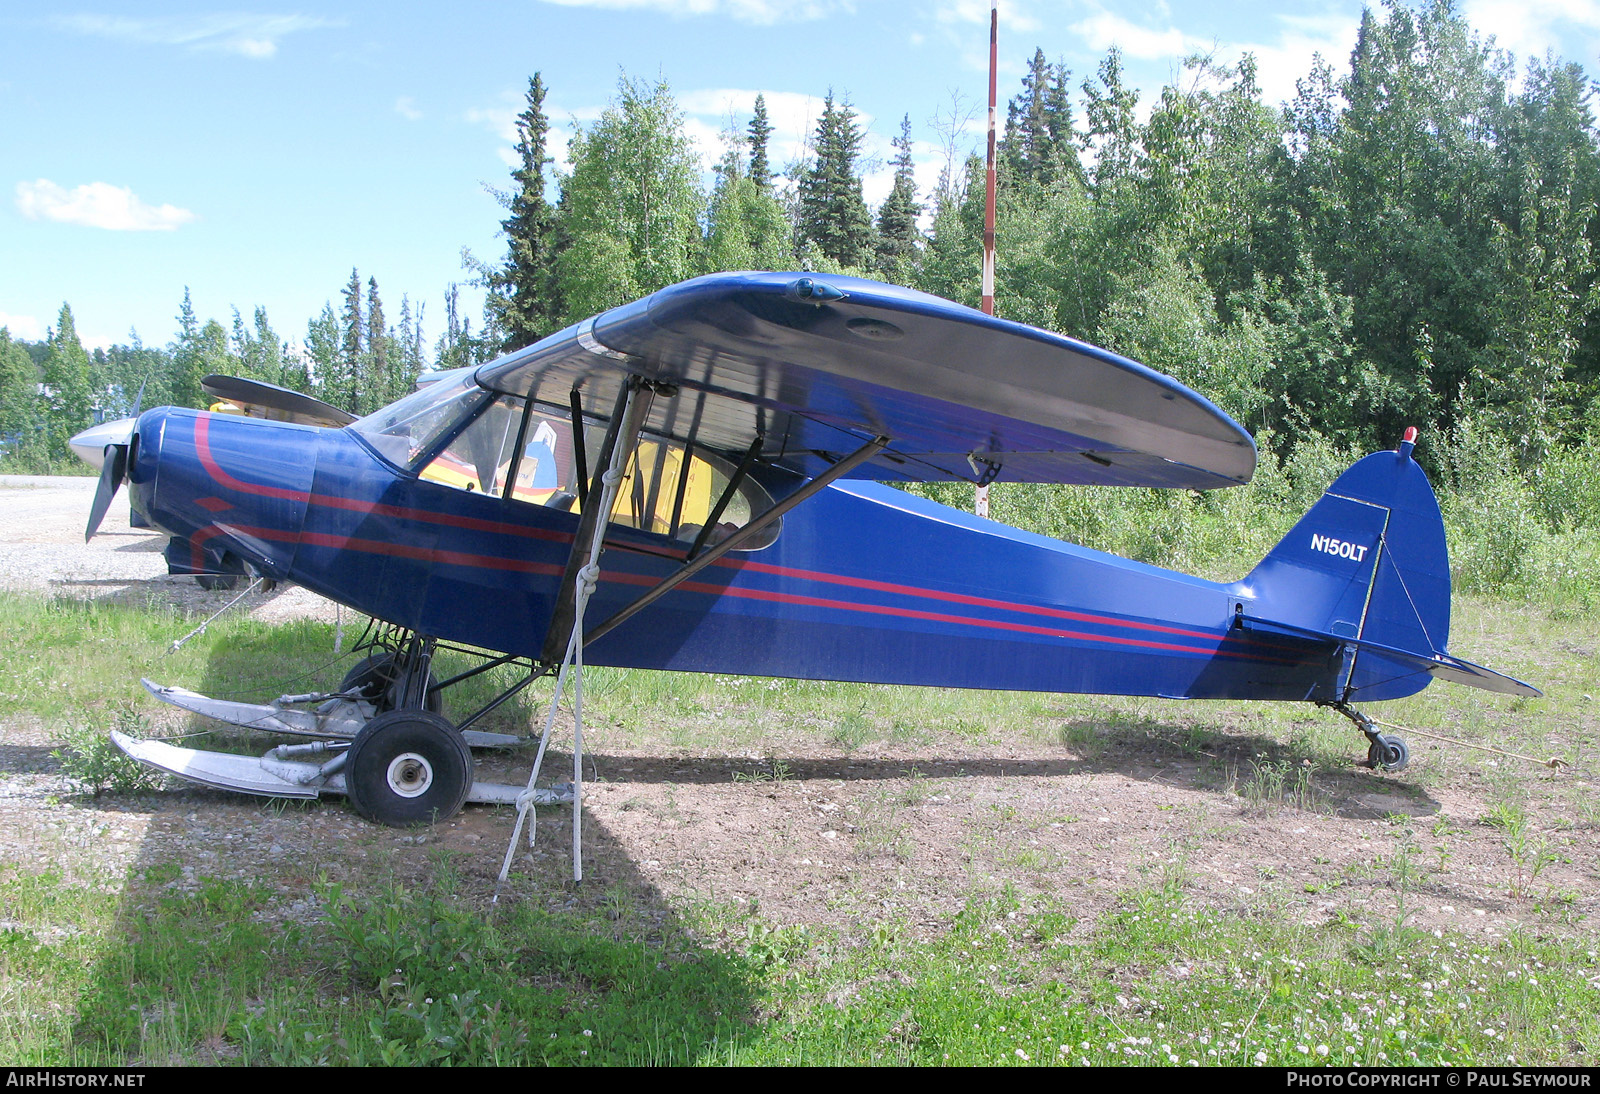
(173, 962)
(418, 976)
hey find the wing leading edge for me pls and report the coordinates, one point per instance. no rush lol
(815, 364)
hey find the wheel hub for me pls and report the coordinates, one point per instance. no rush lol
(410, 775)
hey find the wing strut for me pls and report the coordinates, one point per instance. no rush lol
(633, 404)
(582, 574)
(747, 532)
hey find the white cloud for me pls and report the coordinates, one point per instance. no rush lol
(406, 107)
(758, 12)
(1529, 28)
(501, 119)
(1281, 62)
(1014, 14)
(792, 115)
(253, 36)
(1102, 31)
(97, 205)
(1281, 58)
(25, 327)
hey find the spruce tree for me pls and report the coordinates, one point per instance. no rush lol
(351, 391)
(522, 302)
(1038, 142)
(898, 236)
(833, 215)
(376, 363)
(760, 132)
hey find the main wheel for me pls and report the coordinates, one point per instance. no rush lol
(1389, 753)
(377, 678)
(408, 767)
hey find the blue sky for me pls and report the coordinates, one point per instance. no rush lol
(257, 155)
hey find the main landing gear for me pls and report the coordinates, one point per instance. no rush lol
(408, 767)
(382, 739)
(1385, 752)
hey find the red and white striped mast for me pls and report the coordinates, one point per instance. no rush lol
(982, 505)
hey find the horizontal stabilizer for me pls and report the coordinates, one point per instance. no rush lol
(1440, 665)
(272, 401)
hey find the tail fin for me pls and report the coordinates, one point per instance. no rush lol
(1367, 567)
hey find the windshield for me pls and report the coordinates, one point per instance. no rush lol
(404, 430)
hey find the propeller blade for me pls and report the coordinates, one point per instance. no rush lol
(114, 464)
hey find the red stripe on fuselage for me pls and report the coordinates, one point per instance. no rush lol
(370, 546)
(399, 550)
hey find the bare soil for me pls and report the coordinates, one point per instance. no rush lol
(813, 832)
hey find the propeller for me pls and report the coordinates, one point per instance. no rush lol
(113, 466)
(108, 446)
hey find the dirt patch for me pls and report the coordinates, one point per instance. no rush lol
(810, 831)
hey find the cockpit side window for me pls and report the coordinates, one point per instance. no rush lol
(668, 489)
(672, 491)
(404, 430)
(478, 457)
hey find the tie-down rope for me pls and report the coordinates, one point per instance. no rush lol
(588, 578)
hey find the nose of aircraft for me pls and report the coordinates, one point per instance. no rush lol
(107, 446)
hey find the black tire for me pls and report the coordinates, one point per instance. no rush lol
(408, 767)
(377, 678)
(1388, 753)
(227, 574)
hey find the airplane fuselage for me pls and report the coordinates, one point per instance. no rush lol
(863, 582)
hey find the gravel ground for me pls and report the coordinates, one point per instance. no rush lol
(836, 836)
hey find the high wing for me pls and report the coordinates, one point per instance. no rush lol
(814, 365)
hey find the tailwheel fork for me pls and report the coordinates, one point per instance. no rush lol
(1385, 751)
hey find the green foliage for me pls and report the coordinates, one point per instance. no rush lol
(89, 759)
(66, 378)
(522, 305)
(631, 206)
(21, 428)
(747, 228)
(1410, 241)
(1164, 316)
(832, 217)
(899, 238)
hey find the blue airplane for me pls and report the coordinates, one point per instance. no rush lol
(754, 421)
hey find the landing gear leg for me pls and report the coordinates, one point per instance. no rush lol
(1385, 752)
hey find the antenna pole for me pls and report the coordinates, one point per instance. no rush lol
(982, 504)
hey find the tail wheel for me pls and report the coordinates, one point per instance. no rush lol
(1388, 752)
(378, 678)
(408, 767)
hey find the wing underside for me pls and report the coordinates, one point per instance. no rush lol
(960, 395)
